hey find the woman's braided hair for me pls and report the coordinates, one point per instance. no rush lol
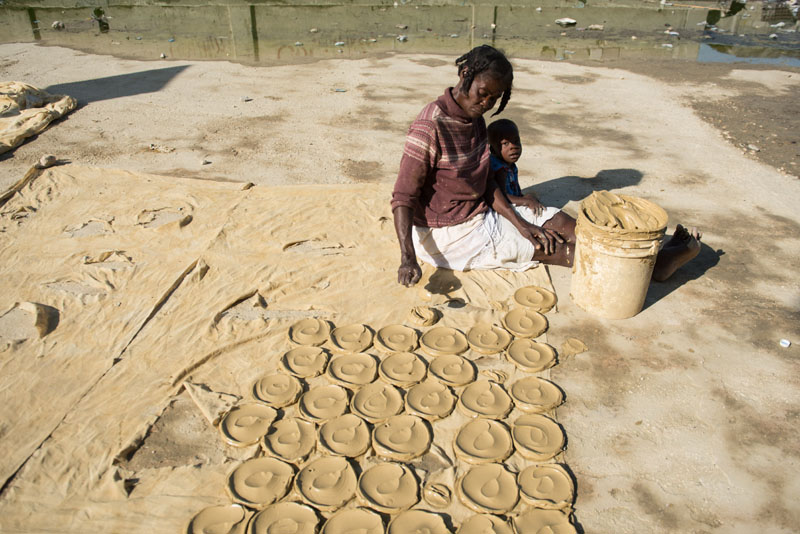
(485, 58)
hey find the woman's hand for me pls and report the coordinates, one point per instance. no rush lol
(409, 272)
(542, 238)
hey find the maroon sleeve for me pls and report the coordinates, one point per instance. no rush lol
(420, 154)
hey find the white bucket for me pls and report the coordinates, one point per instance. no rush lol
(613, 265)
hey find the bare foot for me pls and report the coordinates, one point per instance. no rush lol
(679, 250)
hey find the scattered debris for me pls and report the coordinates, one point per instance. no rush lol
(46, 161)
(494, 26)
(402, 38)
(778, 25)
(666, 45)
(298, 43)
(337, 90)
(161, 148)
(785, 343)
(313, 30)
(773, 36)
(163, 55)
(171, 40)
(338, 43)
(454, 35)
(246, 99)
(566, 22)
(57, 25)
(753, 148)
(538, 9)
(205, 161)
(401, 26)
(672, 33)
(596, 27)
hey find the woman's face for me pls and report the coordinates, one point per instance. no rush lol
(482, 95)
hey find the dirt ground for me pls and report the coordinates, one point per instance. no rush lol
(682, 418)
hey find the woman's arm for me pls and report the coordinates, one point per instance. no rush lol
(542, 238)
(409, 272)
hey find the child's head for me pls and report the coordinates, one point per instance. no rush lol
(504, 140)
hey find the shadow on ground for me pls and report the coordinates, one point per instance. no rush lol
(560, 191)
(705, 260)
(135, 83)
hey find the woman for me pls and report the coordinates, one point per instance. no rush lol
(450, 213)
(446, 209)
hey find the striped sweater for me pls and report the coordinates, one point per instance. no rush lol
(444, 171)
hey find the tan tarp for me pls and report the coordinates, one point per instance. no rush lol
(26, 111)
(117, 288)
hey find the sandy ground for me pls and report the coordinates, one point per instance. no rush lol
(680, 419)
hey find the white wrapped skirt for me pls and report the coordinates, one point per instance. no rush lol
(487, 241)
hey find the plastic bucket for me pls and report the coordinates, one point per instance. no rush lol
(613, 265)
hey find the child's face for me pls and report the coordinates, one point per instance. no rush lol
(508, 145)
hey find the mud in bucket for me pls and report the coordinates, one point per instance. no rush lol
(617, 241)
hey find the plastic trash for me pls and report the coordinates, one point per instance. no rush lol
(402, 38)
(566, 21)
(246, 99)
(171, 40)
(785, 343)
(338, 43)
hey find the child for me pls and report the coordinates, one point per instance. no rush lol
(506, 149)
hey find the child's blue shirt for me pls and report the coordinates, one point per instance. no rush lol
(512, 175)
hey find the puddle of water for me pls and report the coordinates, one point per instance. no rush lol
(721, 53)
(261, 34)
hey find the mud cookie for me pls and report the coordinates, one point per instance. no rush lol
(535, 395)
(245, 424)
(417, 521)
(352, 338)
(259, 482)
(352, 370)
(535, 521)
(546, 486)
(322, 403)
(537, 437)
(359, 520)
(310, 331)
(485, 524)
(531, 356)
(225, 519)
(536, 298)
(346, 435)
(284, 517)
(487, 338)
(442, 340)
(483, 441)
(305, 362)
(525, 322)
(401, 437)
(397, 338)
(485, 398)
(377, 402)
(403, 369)
(277, 390)
(430, 400)
(327, 482)
(388, 487)
(488, 488)
(452, 370)
(423, 315)
(290, 439)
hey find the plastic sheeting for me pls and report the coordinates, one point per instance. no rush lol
(116, 289)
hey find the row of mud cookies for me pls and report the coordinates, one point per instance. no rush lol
(407, 429)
